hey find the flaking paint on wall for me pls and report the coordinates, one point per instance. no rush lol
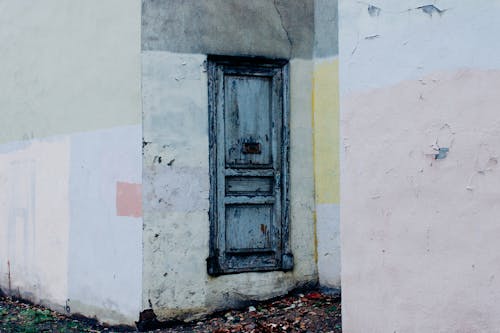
(176, 225)
(418, 233)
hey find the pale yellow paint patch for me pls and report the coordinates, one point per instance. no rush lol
(326, 131)
(69, 67)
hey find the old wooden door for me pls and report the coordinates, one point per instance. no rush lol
(249, 171)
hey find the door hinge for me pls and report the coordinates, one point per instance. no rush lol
(287, 262)
(213, 266)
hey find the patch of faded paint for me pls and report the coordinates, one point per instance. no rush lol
(128, 199)
(441, 153)
(34, 219)
(326, 131)
(431, 9)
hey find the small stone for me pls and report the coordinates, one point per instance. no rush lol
(249, 327)
(251, 309)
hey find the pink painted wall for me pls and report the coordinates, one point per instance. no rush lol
(420, 250)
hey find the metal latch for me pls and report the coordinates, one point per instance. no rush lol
(251, 148)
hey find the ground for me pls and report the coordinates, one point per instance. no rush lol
(297, 312)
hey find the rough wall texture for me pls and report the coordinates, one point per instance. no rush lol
(70, 150)
(176, 189)
(272, 28)
(176, 37)
(69, 134)
(419, 225)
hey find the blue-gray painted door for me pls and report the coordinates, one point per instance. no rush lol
(249, 147)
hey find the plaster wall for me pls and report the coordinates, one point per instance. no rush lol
(419, 234)
(34, 214)
(176, 191)
(69, 138)
(272, 28)
(326, 142)
(176, 37)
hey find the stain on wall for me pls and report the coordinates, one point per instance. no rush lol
(271, 28)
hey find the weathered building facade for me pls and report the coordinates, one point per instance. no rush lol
(160, 154)
(187, 156)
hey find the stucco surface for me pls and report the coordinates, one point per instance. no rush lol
(326, 131)
(34, 213)
(419, 234)
(326, 28)
(405, 39)
(70, 131)
(68, 67)
(327, 169)
(105, 249)
(260, 28)
(176, 189)
(62, 241)
(328, 244)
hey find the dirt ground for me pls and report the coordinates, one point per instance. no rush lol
(312, 311)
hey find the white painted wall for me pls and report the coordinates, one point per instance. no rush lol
(176, 190)
(69, 132)
(420, 250)
(34, 215)
(105, 249)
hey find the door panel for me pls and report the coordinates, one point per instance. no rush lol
(247, 121)
(249, 185)
(248, 228)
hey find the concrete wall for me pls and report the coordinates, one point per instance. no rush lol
(176, 37)
(420, 250)
(70, 156)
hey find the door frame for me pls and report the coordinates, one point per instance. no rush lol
(215, 63)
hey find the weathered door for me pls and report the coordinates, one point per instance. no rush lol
(249, 147)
